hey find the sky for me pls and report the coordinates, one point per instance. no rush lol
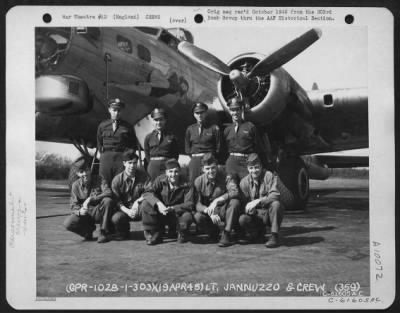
(337, 60)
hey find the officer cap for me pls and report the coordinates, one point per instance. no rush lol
(199, 107)
(116, 103)
(253, 159)
(208, 159)
(235, 103)
(157, 113)
(129, 155)
(171, 163)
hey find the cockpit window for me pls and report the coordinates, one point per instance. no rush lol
(124, 44)
(169, 39)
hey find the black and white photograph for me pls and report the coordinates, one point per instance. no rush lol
(210, 158)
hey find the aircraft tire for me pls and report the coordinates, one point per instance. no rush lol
(293, 184)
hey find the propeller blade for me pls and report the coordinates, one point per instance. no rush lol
(203, 57)
(286, 53)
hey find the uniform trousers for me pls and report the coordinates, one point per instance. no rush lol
(121, 222)
(110, 165)
(156, 168)
(85, 224)
(271, 215)
(195, 168)
(236, 164)
(154, 221)
(228, 212)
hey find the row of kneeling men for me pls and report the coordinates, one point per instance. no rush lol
(218, 204)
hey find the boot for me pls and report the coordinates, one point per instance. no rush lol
(102, 237)
(273, 241)
(156, 238)
(225, 239)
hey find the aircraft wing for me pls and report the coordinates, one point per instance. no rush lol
(343, 161)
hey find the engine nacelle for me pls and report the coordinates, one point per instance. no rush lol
(266, 96)
(61, 94)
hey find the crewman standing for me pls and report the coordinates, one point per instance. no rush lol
(114, 136)
(241, 139)
(160, 145)
(201, 138)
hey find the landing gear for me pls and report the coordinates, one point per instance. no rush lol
(293, 183)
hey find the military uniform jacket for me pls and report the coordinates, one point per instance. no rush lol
(97, 189)
(245, 140)
(180, 199)
(167, 147)
(128, 190)
(206, 191)
(124, 136)
(208, 141)
(264, 189)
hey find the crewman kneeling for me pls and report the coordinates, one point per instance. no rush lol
(129, 187)
(215, 203)
(91, 202)
(170, 203)
(263, 208)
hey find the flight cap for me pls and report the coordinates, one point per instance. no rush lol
(171, 163)
(116, 104)
(157, 113)
(253, 159)
(199, 107)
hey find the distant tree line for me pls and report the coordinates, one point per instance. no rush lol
(52, 166)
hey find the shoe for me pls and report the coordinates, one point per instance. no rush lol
(225, 239)
(273, 241)
(102, 238)
(182, 237)
(156, 238)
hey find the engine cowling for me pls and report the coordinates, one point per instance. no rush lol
(266, 96)
(61, 95)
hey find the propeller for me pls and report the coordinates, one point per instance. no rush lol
(246, 81)
(267, 65)
(286, 53)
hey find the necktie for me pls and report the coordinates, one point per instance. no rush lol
(115, 125)
(159, 135)
(236, 127)
(254, 190)
(200, 129)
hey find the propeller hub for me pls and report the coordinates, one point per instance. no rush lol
(238, 79)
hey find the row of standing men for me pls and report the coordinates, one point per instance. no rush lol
(209, 199)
